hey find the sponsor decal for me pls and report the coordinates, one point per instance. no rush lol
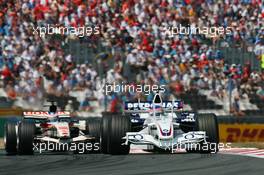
(138, 137)
(241, 132)
(189, 136)
(168, 104)
(45, 113)
(165, 131)
(188, 118)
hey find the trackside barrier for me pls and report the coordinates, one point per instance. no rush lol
(6, 113)
(2, 124)
(3, 120)
(234, 120)
(241, 132)
(10, 111)
(241, 129)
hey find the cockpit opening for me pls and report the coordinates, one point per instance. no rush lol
(157, 99)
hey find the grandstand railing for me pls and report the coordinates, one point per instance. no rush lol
(239, 53)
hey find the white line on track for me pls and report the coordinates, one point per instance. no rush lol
(251, 152)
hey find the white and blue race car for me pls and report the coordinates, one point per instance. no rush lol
(161, 125)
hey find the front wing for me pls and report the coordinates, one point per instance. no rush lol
(139, 138)
(80, 138)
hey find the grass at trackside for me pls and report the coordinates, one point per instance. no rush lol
(259, 145)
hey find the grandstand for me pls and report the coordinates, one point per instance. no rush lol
(222, 74)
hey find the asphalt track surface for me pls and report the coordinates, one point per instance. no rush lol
(133, 164)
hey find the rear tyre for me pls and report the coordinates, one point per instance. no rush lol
(10, 138)
(26, 133)
(209, 124)
(119, 125)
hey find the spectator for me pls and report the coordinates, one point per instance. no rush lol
(236, 107)
(260, 93)
(134, 28)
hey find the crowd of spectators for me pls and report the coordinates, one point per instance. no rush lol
(133, 30)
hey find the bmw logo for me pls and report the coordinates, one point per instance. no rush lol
(165, 131)
(138, 137)
(189, 136)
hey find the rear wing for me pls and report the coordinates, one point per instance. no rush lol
(145, 107)
(45, 115)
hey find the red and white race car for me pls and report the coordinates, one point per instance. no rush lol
(51, 131)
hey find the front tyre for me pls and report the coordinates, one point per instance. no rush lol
(105, 135)
(119, 126)
(209, 124)
(93, 128)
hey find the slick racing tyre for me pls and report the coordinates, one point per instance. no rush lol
(105, 125)
(26, 133)
(10, 138)
(119, 126)
(93, 128)
(209, 124)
